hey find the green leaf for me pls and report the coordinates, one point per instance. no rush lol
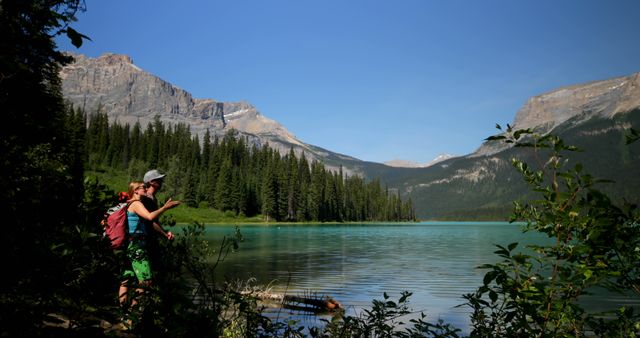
(404, 297)
(633, 136)
(520, 132)
(520, 258)
(493, 296)
(502, 252)
(495, 138)
(489, 277)
(510, 316)
(75, 37)
(564, 175)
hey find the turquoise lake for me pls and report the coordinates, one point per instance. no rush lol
(354, 264)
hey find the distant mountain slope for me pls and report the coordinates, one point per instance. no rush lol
(578, 103)
(594, 117)
(409, 164)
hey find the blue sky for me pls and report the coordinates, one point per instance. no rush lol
(377, 80)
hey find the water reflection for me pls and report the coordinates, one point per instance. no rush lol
(358, 263)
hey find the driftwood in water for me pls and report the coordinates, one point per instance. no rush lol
(310, 302)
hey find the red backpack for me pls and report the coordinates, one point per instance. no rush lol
(116, 226)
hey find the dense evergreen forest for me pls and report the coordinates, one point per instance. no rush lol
(230, 174)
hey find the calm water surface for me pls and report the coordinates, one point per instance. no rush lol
(357, 263)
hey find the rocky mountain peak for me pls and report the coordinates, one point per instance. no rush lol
(112, 84)
(578, 102)
(111, 59)
(603, 98)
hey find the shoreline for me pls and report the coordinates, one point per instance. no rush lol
(447, 222)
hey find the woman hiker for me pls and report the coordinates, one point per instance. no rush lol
(137, 215)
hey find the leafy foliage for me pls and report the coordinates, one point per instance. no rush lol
(596, 244)
(385, 319)
(633, 136)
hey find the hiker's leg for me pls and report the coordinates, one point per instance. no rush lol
(123, 293)
(138, 295)
(128, 277)
(142, 288)
(143, 272)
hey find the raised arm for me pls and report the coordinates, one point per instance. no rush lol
(140, 209)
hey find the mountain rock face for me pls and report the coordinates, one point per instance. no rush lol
(600, 98)
(593, 116)
(404, 164)
(113, 84)
(410, 164)
(577, 103)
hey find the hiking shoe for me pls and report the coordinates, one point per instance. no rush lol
(126, 324)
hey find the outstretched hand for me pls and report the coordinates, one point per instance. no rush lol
(171, 203)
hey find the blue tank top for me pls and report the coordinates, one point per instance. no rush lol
(136, 225)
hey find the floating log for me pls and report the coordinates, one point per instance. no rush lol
(311, 302)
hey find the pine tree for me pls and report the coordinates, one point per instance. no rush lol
(269, 193)
(212, 175)
(206, 149)
(173, 182)
(137, 148)
(339, 186)
(189, 185)
(98, 139)
(281, 183)
(293, 187)
(304, 179)
(224, 186)
(316, 192)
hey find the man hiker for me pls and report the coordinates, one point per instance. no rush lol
(154, 180)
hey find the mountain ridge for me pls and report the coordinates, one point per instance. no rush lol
(604, 98)
(398, 163)
(544, 112)
(113, 84)
(595, 114)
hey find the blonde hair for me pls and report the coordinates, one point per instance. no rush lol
(133, 186)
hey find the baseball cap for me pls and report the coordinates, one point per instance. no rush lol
(152, 175)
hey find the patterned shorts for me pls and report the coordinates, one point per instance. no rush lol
(140, 266)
